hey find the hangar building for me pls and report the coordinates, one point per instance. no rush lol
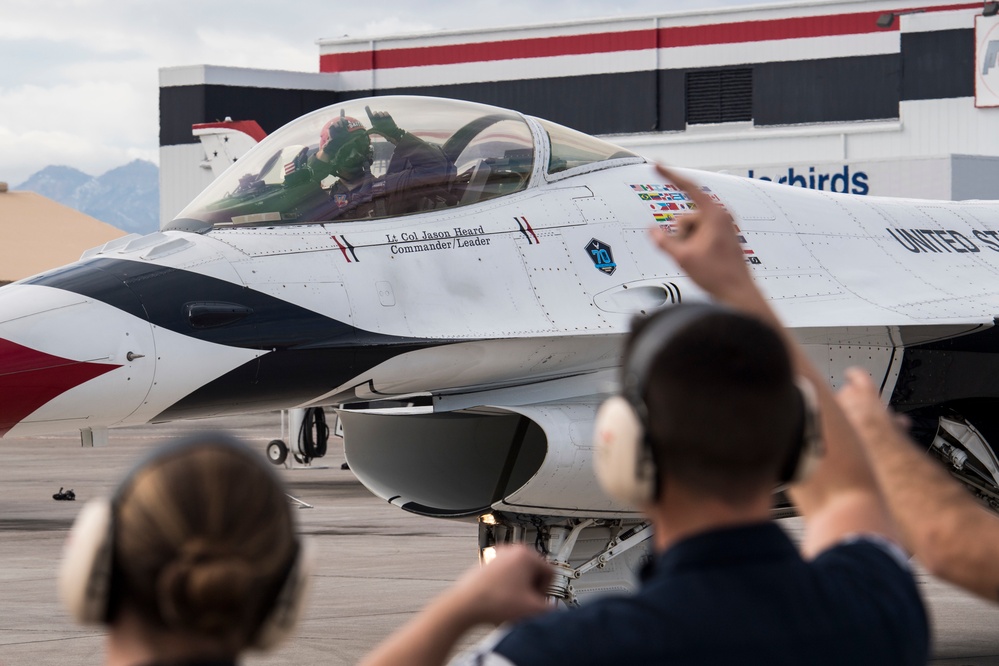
(873, 97)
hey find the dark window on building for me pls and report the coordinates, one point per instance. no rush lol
(939, 64)
(182, 106)
(823, 91)
(719, 96)
(589, 103)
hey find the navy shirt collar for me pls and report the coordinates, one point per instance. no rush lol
(722, 548)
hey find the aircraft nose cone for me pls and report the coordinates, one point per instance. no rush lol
(30, 378)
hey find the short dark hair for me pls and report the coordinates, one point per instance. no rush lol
(723, 409)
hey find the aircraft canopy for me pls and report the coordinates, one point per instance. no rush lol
(385, 156)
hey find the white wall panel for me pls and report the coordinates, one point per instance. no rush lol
(181, 178)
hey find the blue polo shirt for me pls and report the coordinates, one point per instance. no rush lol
(741, 595)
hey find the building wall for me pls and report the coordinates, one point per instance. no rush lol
(814, 63)
(924, 129)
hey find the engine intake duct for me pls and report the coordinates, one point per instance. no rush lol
(455, 464)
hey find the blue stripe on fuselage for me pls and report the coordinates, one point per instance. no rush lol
(310, 354)
(164, 292)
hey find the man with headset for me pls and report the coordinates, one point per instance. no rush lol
(714, 412)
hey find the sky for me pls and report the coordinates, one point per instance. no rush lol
(79, 79)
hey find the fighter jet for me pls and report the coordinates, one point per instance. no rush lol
(456, 281)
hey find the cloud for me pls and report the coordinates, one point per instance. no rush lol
(93, 126)
(391, 25)
(84, 91)
(229, 47)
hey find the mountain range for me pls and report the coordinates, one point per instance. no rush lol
(127, 197)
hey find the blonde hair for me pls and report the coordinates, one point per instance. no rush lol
(204, 539)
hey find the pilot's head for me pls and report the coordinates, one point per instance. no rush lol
(338, 128)
(346, 145)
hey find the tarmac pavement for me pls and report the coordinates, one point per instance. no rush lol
(377, 563)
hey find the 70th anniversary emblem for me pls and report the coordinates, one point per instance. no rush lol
(602, 256)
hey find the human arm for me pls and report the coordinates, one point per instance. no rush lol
(511, 587)
(954, 536)
(841, 497)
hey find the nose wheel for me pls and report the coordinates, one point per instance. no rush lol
(277, 451)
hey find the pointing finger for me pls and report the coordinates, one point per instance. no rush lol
(691, 189)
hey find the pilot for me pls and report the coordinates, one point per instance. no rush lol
(715, 412)
(345, 152)
(194, 559)
(418, 176)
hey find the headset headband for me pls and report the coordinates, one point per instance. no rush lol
(649, 343)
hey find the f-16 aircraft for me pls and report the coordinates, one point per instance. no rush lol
(456, 281)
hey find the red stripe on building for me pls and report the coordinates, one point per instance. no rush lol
(540, 47)
(614, 42)
(777, 29)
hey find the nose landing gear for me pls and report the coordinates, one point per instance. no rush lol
(590, 556)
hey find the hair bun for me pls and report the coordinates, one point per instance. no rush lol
(204, 591)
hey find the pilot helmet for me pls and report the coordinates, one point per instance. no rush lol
(339, 127)
(348, 146)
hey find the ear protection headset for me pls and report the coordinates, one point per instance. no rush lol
(624, 461)
(87, 561)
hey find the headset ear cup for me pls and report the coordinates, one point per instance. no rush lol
(283, 616)
(811, 447)
(85, 570)
(622, 463)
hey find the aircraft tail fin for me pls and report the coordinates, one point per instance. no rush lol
(226, 141)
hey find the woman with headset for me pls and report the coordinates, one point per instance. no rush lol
(193, 560)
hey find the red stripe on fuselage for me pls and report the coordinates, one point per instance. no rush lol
(30, 378)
